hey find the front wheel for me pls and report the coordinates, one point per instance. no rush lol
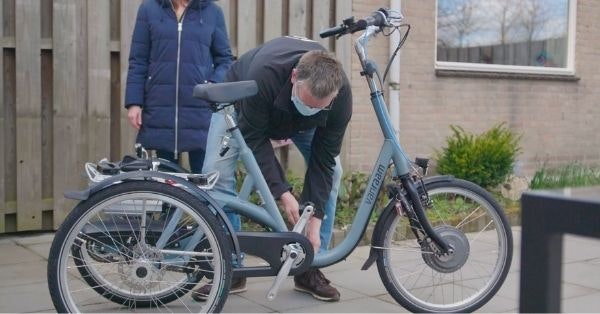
(473, 223)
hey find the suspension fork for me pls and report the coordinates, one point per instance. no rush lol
(419, 211)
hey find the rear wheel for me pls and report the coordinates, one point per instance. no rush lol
(473, 223)
(139, 244)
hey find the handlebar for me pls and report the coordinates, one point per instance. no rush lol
(378, 18)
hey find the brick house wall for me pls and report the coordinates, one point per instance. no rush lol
(559, 120)
(363, 138)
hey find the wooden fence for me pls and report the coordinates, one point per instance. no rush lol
(64, 65)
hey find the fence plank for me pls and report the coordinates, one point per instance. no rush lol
(98, 23)
(229, 10)
(47, 129)
(2, 123)
(70, 83)
(343, 46)
(297, 18)
(273, 26)
(10, 145)
(115, 15)
(320, 20)
(28, 97)
(129, 10)
(246, 26)
(46, 18)
(47, 114)
(9, 19)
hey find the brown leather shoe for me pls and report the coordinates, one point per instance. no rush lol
(314, 282)
(237, 285)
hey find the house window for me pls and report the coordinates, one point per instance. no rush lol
(517, 36)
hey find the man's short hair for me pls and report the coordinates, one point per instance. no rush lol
(322, 72)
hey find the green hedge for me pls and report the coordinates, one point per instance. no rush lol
(570, 175)
(486, 159)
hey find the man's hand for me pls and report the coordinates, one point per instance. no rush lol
(313, 233)
(291, 207)
(134, 114)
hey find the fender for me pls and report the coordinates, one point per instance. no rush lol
(148, 175)
(435, 179)
(387, 213)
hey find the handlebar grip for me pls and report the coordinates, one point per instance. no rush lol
(377, 18)
(332, 31)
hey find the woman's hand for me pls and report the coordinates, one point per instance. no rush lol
(134, 114)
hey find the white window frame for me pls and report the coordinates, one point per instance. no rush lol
(569, 70)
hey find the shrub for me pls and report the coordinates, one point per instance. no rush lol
(486, 159)
(351, 190)
(570, 175)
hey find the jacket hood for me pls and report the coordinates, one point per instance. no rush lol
(194, 4)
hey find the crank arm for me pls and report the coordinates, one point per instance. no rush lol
(306, 214)
(293, 255)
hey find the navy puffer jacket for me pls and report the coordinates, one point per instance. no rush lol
(172, 119)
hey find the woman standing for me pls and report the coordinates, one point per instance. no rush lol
(176, 44)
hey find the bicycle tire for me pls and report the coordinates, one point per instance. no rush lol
(405, 266)
(67, 252)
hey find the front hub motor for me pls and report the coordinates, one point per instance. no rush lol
(451, 262)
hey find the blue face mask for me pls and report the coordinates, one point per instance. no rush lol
(302, 108)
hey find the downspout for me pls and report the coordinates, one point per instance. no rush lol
(394, 75)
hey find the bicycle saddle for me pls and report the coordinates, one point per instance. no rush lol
(225, 92)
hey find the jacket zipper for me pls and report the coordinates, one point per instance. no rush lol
(179, 30)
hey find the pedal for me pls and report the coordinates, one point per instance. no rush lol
(293, 252)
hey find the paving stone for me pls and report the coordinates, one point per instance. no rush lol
(237, 304)
(35, 239)
(361, 252)
(577, 249)
(498, 304)
(389, 299)
(510, 288)
(365, 282)
(594, 261)
(22, 273)
(362, 305)
(583, 304)
(14, 254)
(288, 299)
(6, 240)
(25, 298)
(515, 265)
(41, 249)
(582, 274)
(352, 262)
